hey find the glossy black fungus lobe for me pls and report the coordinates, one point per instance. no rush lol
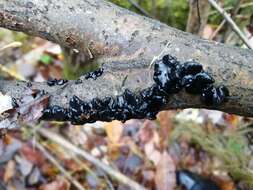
(53, 82)
(192, 181)
(214, 95)
(94, 74)
(56, 112)
(14, 103)
(191, 68)
(170, 77)
(78, 81)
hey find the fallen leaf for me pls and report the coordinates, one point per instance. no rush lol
(152, 153)
(32, 111)
(34, 178)
(165, 177)
(72, 165)
(207, 32)
(146, 132)
(150, 141)
(5, 103)
(92, 180)
(114, 131)
(148, 178)
(9, 171)
(165, 119)
(59, 184)
(224, 184)
(131, 127)
(32, 155)
(132, 165)
(189, 115)
(24, 165)
(9, 123)
(7, 152)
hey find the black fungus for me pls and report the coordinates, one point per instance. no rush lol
(29, 84)
(56, 112)
(53, 82)
(192, 181)
(170, 77)
(94, 74)
(170, 60)
(214, 95)
(14, 103)
(191, 68)
(41, 93)
(78, 81)
(199, 82)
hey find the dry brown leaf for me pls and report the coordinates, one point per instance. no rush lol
(32, 111)
(114, 131)
(151, 151)
(32, 155)
(165, 119)
(59, 184)
(165, 177)
(5, 103)
(9, 171)
(208, 31)
(225, 183)
(146, 132)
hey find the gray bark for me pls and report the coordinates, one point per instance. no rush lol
(125, 43)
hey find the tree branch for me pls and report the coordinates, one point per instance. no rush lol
(125, 43)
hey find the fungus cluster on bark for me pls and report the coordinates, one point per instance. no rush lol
(170, 77)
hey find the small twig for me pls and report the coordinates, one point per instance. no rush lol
(11, 45)
(5, 69)
(113, 173)
(58, 165)
(217, 29)
(11, 73)
(145, 13)
(245, 5)
(230, 21)
(109, 183)
(160, 55)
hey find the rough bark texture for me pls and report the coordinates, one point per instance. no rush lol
(126, 43)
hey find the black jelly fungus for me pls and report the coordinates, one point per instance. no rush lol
(170, 60)
(56, 112)
(191, 68)
(78, 81)
(14, 103)
(53, 82)
(61, 82)
(29, 84)
(192, 181)
(94, 74)
(214, 95)
(170, 77)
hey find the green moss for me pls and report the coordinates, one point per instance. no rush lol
(231, 147)
(173, 13)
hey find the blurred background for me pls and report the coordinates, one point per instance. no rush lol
(195, 143)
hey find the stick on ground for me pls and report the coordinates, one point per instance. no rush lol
(58, 165)
(113, 173)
